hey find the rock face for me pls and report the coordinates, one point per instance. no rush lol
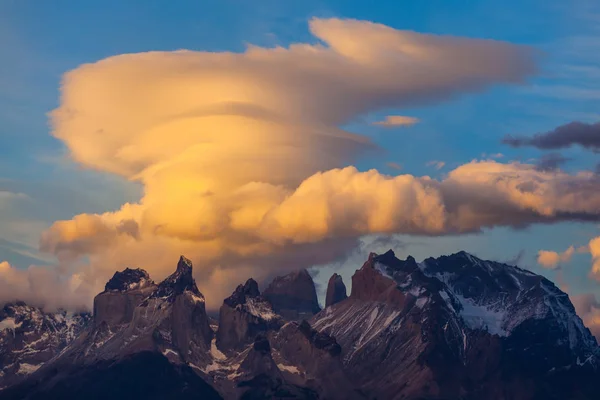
(134, 316)
(122, 294)
(30, 337)
(460, 327)
(293, 296)
(243, 316)
(336, 290)
(453, 327)
(316, 355)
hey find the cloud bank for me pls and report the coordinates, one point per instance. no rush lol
(245, 168)
(574, 133)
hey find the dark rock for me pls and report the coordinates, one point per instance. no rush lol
(293, 296)
(460, 327)
(336, 290)
(122, 294)
(243, 316)
(318, 355)
(145, 375)
(128, 279)
(178, 282)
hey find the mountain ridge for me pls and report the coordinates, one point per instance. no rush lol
(452, 327)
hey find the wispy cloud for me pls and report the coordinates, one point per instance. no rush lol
(436, 164)
(392, 121)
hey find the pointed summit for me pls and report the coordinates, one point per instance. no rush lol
(179, 281)
(239, 295)
(336, 290)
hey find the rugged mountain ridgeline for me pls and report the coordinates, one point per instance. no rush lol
(454, 327)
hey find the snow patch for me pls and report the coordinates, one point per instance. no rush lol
(382, 269)
(215, 352)
(288, 368)
(421, 301)
(260, 308)
(166, 352)
(482, 317)
(26, 369)
(9, 323)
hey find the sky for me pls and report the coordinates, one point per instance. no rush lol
(259, 137)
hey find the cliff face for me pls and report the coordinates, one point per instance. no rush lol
(336, 290)
(459, 327)
(243, 316)
(293, 296)
(454, 327)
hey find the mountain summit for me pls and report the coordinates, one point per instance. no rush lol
(452, 327)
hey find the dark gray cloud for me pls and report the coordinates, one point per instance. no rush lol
(573, 133)
(551, 161)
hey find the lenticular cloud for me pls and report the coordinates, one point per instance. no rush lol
(245, 166)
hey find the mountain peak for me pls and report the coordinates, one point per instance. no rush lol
(239, 295)
(336, 290)
(293, 295)
(128, 279)
(179, 281)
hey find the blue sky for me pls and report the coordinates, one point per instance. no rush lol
(39, 41)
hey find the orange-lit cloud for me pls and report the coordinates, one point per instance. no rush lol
(240, 153)
(396, 120)
(551, 259)
(588, 308)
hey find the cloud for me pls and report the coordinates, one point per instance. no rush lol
(394, 165)
(551, 259)
(594, 248)
(588, 308)
(46, 287)
(573, 133)
(396, 120)
(8, 199)
(493, 156)
(551, 161)
(436, 164)
(239, 154)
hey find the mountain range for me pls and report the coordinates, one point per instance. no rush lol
(453, 327)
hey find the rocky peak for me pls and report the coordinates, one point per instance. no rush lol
(244, 315)
(293, 295)
(320, 340)
(179, 281)
(128, 279)
(249, 289)
(30, 337)
(336, 290)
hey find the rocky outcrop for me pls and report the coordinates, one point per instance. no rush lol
(30, 337)
(316, 355)
(293, 296)
(258, 376)
(243, 316)
(167, 320)
(336, 290)
(122, 294)
(459, 327)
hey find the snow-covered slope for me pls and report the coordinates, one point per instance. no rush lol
(29, 337)
(471, 321)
